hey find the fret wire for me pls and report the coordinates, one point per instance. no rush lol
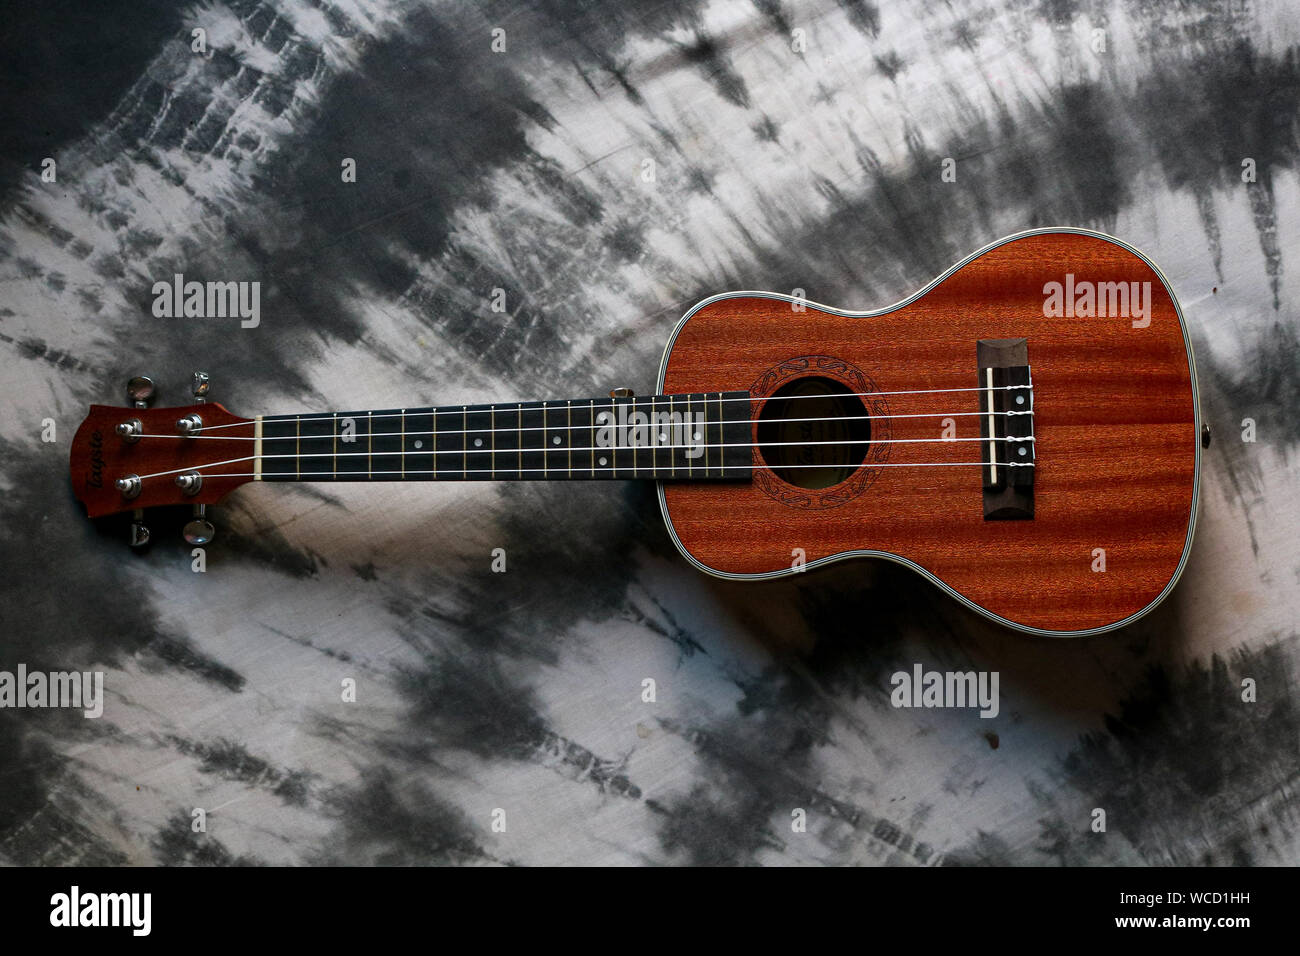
(695, 424)
(690, 462)
(704, 400)
(464, 440)
(691, 438)
(686, 462)
(676, 442)
(722, 449)
(672, 454)
(668, 445)
(722, 434)
(625, 433)
(653, 434)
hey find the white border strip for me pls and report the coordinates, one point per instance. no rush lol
(844, 555)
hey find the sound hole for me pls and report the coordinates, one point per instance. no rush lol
(813, 442)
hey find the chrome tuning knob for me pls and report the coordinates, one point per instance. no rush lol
(191, 482)
(200, 531)
(140, 391)
(192, 424)
(129, 485)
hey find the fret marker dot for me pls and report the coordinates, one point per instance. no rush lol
(1020, 399)
(555, 440)
(478, 443)
(697, 436)
(418, 443)
(603, 461)
(663, 436)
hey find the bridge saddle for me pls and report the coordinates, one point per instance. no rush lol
(1007, 427)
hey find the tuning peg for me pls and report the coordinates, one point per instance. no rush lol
(200, 531)
(621, 393)
(191, 482)
(201, 386)
(190, 425)
(140, 391)
(139, 533)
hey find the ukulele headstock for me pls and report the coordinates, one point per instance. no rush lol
(137, 457)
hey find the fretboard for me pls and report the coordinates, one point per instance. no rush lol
(694, 437)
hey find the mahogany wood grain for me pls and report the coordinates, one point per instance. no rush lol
(1115, 423)
(99, 456)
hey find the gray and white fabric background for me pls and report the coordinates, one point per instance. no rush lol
(775, 168)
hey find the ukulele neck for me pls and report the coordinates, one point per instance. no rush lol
(691, 437)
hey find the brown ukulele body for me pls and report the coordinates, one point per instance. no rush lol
(1023, 431)
(1115, 422)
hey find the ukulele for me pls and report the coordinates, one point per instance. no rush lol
(1023, 431)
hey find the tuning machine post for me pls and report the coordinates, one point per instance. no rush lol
(140, 392)
(198, 531)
